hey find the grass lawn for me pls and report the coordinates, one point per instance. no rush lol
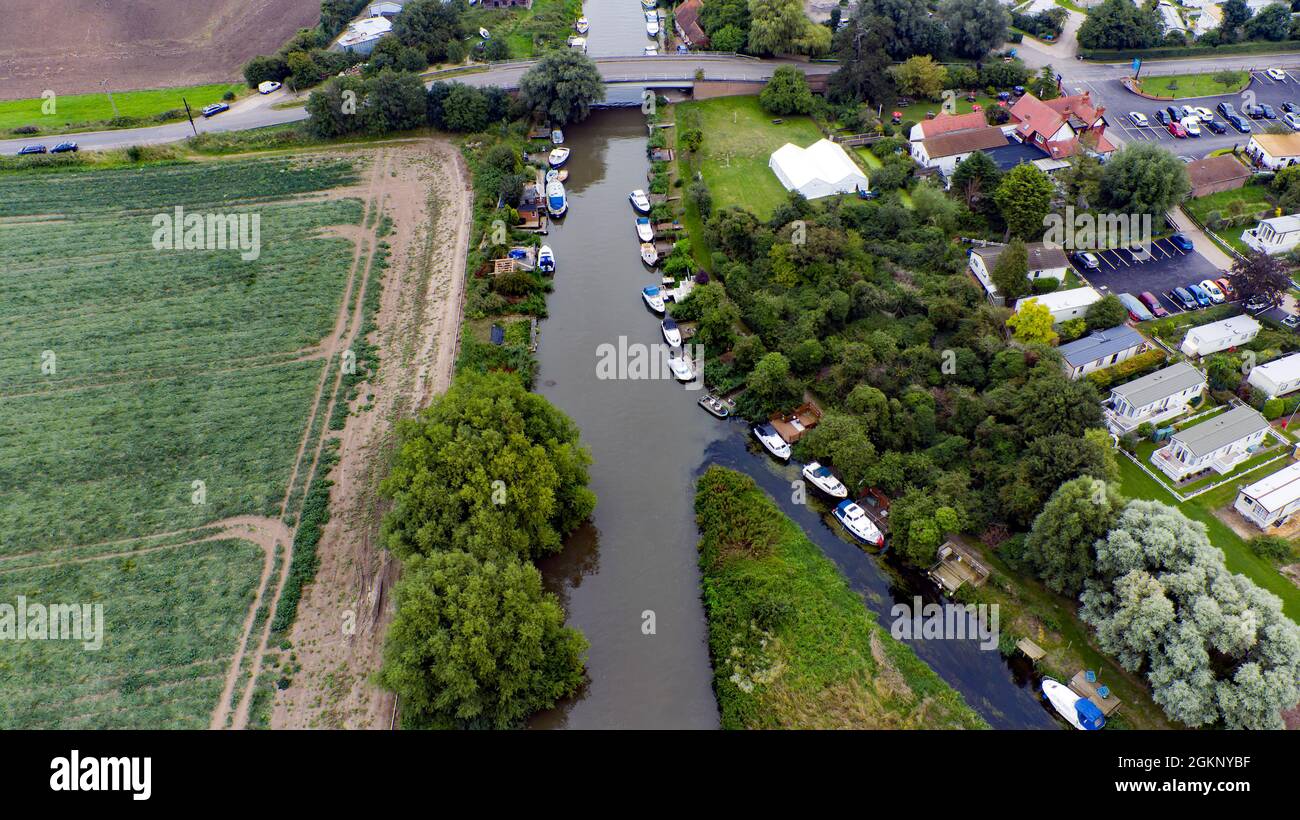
(1136, 484)
(1254, 198)
(82, 112)
(917, 110)
(1180, 86)
(739, 136)
(547, 25)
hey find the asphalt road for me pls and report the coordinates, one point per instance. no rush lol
(1167, 268)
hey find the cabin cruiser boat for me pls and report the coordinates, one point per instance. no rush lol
(580, 43)
(582, 25)
(649, 255)
(546, 259)
(558, 156)
(644, 230)
(557, 202)
(1080, 712)
(681, 368)
(823, 479)
(672, 333)
(652, 23)
(772, 441)
(557, 137)
(653, 298)
(640, 201)
(855, 520)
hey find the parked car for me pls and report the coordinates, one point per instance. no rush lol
(1153, 304)
(1186, 111)
(64, 147)
(1198, 293)
(1276, 74)
(1292, 120)
(1174, 112)
(1211, 287)
(1225, 285)
(1136, 310)
(1290, 107)
(31, 149)
(1227, 110)
(1184, 298)
(1176, 128)
(1266, 111)
(1192, 126)
(1203, 113)
(1240, 124)
(1162, 117)
(1215, 126)
(1085, 260)
(214, 109)
(267, 87)
(1292, 320)
(1181, 242)
(1139, 119)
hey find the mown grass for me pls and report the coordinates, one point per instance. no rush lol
(85, 112)
(1180, 86)
(1253, 199)
(793, 646)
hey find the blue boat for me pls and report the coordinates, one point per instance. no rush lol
(557, 202)
(546, 259)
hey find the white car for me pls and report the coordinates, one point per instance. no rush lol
(1216, 293)
(1276, 74)
(1192, 125)
(1292, 120)
(267, 87)
(1203, 113)
(1139, 119)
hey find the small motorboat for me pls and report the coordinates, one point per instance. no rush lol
(653, 298)
(649, 255)
(482, 32)
(652, 23)
(772, 441)
(644, 230)
(579, 43)
(553, 174)
(681, 368)
(823, 479)
(557, 202)
(855, 520)
(557, 137)
(546, 259)
(640, 201)
(672, 333)
(1080, 712)
(716, 406)
(648, 4)
(582, 25)
(558, 156)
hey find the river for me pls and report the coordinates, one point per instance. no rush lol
(636, 560)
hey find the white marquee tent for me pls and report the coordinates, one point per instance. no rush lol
(821, 169)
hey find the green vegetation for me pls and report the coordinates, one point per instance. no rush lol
(1180, 86)
(792, 645)
(1227, 213)
(87, 112)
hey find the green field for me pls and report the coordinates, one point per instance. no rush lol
(739, 137)
(1253, 199)
(127, 373)
(547, 25)
(84, 112)
(1180, 86)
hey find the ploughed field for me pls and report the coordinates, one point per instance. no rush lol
(161, 411)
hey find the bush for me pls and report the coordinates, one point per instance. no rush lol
(1129, 369)
(1046, 284)
(1272, 547)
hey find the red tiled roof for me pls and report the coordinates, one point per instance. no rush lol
(687, 16)
(963, 142)
(947, 123)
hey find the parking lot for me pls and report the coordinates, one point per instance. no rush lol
(1168, 267)
(1119, 101)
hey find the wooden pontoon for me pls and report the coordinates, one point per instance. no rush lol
(791, 426)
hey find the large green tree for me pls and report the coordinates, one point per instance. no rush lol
(975, 27)
(1060, 544)
(775, 26)
(787, 92)
(1120, 24)
(1143, 178)
(1010, 272)
(430, 25)
(1024, 198)
(863, 75)
(563, 86)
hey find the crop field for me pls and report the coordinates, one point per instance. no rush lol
(161, 409)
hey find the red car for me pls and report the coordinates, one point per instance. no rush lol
(1176, 128)
(1153, 304)
(1225, 285)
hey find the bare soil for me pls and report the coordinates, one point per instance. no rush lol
(71, 46)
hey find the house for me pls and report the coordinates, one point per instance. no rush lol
(385, 8)
(686, 19)
(1044, 263)
(1061, 127)
(1275, 235)
(1271, 501)
(821, 169)
(1164, 394)
(1278, 377)
(1214, 174)
(1274, 151)
(1065, 305)
(361, 36)
(1221, 335)
(1219, 444)
(946, 150)
(944, 123)
(1100, 349)
(1170, 20)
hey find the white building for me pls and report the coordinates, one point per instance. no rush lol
(1170, 20)
(1065, 305)
(1278, 234)
(1219, 444)
(1278, 377)
(1274, 151)
(1100, 349)
(1271, 501)
(1162, 395)
(946, 151)
(1044, 263)
(821, 169)
(1221, 335)
(385, 8)
(362, 35)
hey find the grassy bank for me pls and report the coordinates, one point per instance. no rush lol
(793, 647)
(86, 112)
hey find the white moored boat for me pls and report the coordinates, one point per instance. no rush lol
(557, 136)
(649, 255)
(557, 202)
(772, 441)
(579, 43)
(1079, 711)
(582, 25)
(640, 201)
(652, 23)
(546, 259)
(653, 298)
(558, 156)
(823, 479)
(644, 230)
(681, 368)
(672, 333)
(855, 520)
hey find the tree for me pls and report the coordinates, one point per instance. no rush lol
(1272, 23)
(975, 179)
(1060, 544)
(477, 644)
(1082, 180)
(430, 25)
(918, 523)
(975, 27)
(1010, 272)
(1032, 323)
(263, 69)
(1109, 311)
(1261, 275)
(1044, 85)
(915, 30)
(1143, 178)
(841, 441)
(1120, 24)
(1049, 404)
(489, 468)
(787, 92)
(1235, 14)
(920, 76)
(716, 15)
(771, 383)
(394, 102)
(562, 86)
(728, 38)
(775, 25)
(1024, 197)
(465, 109)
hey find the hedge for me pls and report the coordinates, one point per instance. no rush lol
(1130, 368)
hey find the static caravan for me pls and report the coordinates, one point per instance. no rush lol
(1216, 336)
(1100, 349)
(1065, 304)
(1278, 377)
(1271, 501)
(1164, 394)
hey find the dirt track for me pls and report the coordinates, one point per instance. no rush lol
(70, 46)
